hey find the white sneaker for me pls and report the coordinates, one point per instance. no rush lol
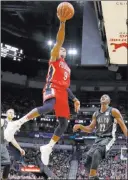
(11, 129)
(45, 154)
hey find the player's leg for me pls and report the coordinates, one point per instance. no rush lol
(96, 159)
(47, 107)
(87, 163)
(5, 161)
(63, 113)
(12, 127)
(88, 159)
(6, 171)
(101, 150)
(59, 131)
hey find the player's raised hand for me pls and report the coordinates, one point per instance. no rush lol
(65, 11)
(76, 127)
(62, 19)
(77, 105)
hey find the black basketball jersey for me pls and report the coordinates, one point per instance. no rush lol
(106, 126)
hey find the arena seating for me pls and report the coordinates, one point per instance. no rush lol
(110, 169)
(60, 163)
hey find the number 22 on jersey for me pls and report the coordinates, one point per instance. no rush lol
(102, 127)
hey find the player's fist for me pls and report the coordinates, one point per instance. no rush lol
(22, 152)
(77, 105)
(76, 127)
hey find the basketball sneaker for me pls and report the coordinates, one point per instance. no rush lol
(45, 153)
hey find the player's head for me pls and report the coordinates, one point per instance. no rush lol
(62, 52)
(10, 114)
(105, 99)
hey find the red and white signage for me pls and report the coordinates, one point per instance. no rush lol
(115, 18)
(30, 168)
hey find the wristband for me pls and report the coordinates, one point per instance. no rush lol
(75, 99)
(62, 22)
(71, 95)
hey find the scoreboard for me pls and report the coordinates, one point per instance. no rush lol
(11, 52)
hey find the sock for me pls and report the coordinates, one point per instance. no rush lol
(92, 172)
(31, 115)
(54, 140)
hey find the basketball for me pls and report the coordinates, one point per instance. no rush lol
(65, 10)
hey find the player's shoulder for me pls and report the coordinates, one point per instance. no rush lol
(115, 112)
(114, 109)
(55, 61)
(95, 114)
(97, 111)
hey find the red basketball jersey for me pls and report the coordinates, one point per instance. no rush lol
(58, 75)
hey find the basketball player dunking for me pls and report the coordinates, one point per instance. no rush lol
(105, 120)
(5, 159)
(55, 92)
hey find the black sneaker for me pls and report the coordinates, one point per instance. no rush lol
(93, 178)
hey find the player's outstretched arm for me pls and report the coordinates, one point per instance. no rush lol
(59, 42)
(117, 115)
(87, 129)
(16, 144)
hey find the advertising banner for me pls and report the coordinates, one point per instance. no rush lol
(115, 21)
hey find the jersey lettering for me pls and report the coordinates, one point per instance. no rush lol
(64, 66)
(58, 75)
(65, 75)
(104, 123)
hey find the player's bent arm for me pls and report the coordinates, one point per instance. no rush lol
(71, 95)
(15, 143)
(59, 42)
(87, 129)
(2, 122)
(91, 127)
(117, 115)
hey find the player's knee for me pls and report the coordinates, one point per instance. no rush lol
(97, 154)
(87, 160)
(87, 163)
(96, 158)
(63, 122)
(44, 109)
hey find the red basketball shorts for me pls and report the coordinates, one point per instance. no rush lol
(61, 106)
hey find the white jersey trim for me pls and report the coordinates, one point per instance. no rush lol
(114, 129)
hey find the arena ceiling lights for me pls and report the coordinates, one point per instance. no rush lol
(116, 24)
